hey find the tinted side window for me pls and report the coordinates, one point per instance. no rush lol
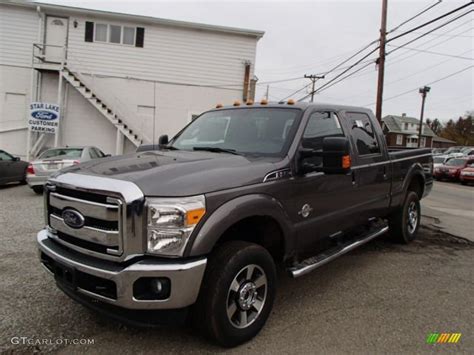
(363, 133)
(320, 125)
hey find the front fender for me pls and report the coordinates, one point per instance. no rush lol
(234, 211)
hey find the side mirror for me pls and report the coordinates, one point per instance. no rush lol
(336, 155)
(163, 140)
(16, 159)
(107, 155)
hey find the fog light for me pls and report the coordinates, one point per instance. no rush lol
(152, 288)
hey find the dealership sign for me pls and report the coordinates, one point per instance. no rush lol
(44, 117)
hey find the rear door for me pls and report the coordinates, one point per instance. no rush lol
(371, 166)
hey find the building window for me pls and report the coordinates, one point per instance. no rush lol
(423, 142)
(126, 35)
(100, 32)
(406, 126)
(115, 34)
(129, 35)
(399, 139)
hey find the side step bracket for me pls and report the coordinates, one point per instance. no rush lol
(314, 262)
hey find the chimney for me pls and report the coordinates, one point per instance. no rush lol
(404, 115)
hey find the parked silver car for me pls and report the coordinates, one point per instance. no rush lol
(54, 159)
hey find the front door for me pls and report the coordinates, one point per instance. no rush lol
(56, 36)
(324, 204)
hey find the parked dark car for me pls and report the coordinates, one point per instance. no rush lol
(451, 170)
(12, 169)
(197, 227)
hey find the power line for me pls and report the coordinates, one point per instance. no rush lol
(432, 30)
(430, 22)
(339, 75)
(347, 76)
(296, 92)
(415, 16)
(430, 52)
(446, 35)
(430, 83)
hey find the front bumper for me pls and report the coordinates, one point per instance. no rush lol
(185, 276)
(35, 180)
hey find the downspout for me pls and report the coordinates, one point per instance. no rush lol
(34, 86)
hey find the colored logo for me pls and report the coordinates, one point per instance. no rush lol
(73, 218)
(44, 115)
(440, 338)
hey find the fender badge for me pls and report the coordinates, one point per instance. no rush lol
(305, 211)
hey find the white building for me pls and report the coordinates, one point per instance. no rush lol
(120, 80)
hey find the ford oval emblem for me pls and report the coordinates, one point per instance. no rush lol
(44, 115)
(73, 218)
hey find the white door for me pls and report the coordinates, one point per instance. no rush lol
(56, 35)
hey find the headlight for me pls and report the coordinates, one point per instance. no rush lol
(170, 222)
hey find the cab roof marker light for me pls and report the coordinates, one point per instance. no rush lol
(236, 103)
(264, 102)
(219, 106)
(290, 102)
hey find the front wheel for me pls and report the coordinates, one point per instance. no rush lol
(237, 294)
(404, 223)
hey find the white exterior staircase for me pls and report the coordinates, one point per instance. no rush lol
(103, 107)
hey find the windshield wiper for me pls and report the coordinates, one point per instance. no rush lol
(217, 150)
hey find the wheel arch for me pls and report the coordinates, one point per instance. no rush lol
(254, 209)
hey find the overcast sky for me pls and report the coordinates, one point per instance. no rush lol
(311, 37)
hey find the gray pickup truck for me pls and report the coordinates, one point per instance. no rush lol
(194, 230)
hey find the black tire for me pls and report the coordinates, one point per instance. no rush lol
(463, 183)
(229, 263)
(403, 227)
(38, 189)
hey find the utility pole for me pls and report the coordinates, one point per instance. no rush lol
(381, 61)
(313, 78)
(423, 91)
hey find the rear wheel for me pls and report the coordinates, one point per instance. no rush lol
(38, 189)
(404, 223)
(237, 293)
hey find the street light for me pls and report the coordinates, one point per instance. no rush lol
(423, 91)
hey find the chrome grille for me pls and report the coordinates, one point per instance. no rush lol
(102, 231)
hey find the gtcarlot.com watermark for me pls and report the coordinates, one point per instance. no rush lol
(50, 341)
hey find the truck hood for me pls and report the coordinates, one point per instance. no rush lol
(179, 173)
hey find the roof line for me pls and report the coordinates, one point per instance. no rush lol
(140, 18)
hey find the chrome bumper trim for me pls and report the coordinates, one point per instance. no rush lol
(185, 277)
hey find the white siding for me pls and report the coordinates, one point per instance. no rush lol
(169, 54)
(18, 32)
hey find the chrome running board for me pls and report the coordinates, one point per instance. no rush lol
(314, 262)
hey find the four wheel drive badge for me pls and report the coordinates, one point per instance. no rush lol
(73, 218)
(305, 210)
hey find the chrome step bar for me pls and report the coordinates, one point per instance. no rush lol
(314, 262)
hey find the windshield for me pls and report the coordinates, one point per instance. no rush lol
(455, 162)
(438, 160)
(61, 152)
(453, 150)
(255, 131)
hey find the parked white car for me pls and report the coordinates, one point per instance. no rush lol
(54, 159)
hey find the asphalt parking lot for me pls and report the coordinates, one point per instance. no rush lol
(381, 298)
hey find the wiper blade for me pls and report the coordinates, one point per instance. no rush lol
(217, 150)
(170, 147)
